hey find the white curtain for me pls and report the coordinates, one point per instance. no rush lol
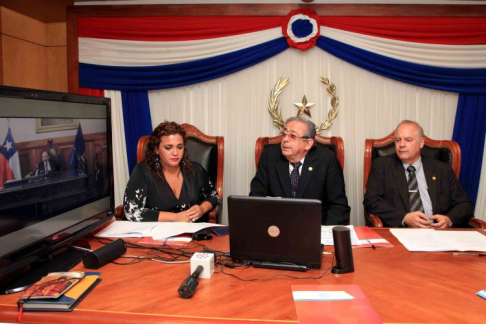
(120, 164)
(370, 106)
(480, 211)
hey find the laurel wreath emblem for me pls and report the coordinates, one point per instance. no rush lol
(276, 115)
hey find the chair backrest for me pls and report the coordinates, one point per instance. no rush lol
(334, 143)
(203, 149)
(443, 150)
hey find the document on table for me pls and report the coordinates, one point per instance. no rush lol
(156, 230)
(327, 239)
(431, 240)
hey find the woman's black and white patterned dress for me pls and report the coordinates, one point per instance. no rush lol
(146, 196)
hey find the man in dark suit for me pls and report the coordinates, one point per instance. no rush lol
(407, 189)
(46, 165)
(299, 169)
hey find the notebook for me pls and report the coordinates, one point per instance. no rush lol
(275, 232)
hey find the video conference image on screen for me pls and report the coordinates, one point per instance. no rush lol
(50, 166)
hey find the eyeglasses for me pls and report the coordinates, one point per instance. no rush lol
(293, 137)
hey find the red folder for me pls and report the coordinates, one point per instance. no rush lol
(366, 233)
(356, 310)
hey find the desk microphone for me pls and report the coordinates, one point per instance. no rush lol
(188, 286)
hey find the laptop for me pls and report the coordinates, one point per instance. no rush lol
(282, 233)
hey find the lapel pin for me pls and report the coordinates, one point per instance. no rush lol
(434, 178)
(310, 168)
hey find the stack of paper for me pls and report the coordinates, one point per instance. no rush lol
(431, 240)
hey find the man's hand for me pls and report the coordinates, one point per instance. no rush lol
(417, 219)
(442, 221)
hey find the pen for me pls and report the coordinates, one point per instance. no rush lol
(471, 254)
(372, 245)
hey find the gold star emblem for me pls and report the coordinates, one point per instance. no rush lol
(304, 107)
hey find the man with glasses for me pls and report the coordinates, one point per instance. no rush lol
(299, 169)
(408, 189)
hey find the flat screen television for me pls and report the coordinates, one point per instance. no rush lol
(56, 180)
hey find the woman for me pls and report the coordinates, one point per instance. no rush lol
(166, 186)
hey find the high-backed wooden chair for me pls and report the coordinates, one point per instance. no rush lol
(203, 149)
(334, 143)
(447, 151)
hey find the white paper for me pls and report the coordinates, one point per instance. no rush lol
(327, 239)
(321, 295)
(127, 229)
(372, 241)
(430, 240)
(157, 230)
(168, 229)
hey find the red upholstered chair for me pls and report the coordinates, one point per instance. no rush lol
(443, 150)
(203, 149)
(334, 143)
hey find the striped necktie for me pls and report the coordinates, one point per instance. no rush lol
(413, 191)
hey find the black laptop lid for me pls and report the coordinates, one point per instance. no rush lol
(275, 230)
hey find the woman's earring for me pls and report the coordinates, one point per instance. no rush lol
(157, 161)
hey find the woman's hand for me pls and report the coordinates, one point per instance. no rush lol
(195, 212)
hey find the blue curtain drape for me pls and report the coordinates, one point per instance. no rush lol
(176, 75)
(470, 132)
(466, 81)
(137, 122)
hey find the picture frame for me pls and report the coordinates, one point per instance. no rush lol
(44, 125)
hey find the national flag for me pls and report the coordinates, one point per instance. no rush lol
(78, 156)
(9, 160)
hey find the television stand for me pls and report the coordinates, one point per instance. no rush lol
(62, 259)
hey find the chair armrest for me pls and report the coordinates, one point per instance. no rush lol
(375, 220)
(213, 215)
(476, 223)
(120, 213)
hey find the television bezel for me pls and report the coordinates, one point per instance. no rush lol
(16, 262)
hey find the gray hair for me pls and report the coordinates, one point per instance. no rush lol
(311, 127)
(406, 121)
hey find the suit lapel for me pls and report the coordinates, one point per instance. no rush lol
(310, 164)
(284, 176)
(431, 179)
(401, 182)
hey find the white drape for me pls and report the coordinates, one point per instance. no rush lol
(236, 107)
(120, 164)
(480, 211)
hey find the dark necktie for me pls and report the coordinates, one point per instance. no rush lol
(294, 177)
(413, 192)
(45, 167)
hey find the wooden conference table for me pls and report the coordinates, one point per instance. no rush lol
(402, 287)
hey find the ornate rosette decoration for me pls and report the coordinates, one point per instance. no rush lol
(277, 116)
(301, 28)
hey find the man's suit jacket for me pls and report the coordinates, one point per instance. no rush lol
(40, 167)
(321, 178)
(387, 191)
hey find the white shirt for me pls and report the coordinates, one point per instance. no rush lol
(291, 168)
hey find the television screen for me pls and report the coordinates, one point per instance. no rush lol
(56, 180)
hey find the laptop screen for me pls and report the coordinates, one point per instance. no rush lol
(280, 230)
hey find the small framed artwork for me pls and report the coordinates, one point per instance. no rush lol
(43, 125)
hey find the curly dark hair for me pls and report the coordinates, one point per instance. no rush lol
(165, 129)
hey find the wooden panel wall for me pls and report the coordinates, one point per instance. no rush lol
(30, 152)
(33, 53)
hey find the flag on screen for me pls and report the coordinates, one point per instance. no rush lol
(78, 156)
(9, 160)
